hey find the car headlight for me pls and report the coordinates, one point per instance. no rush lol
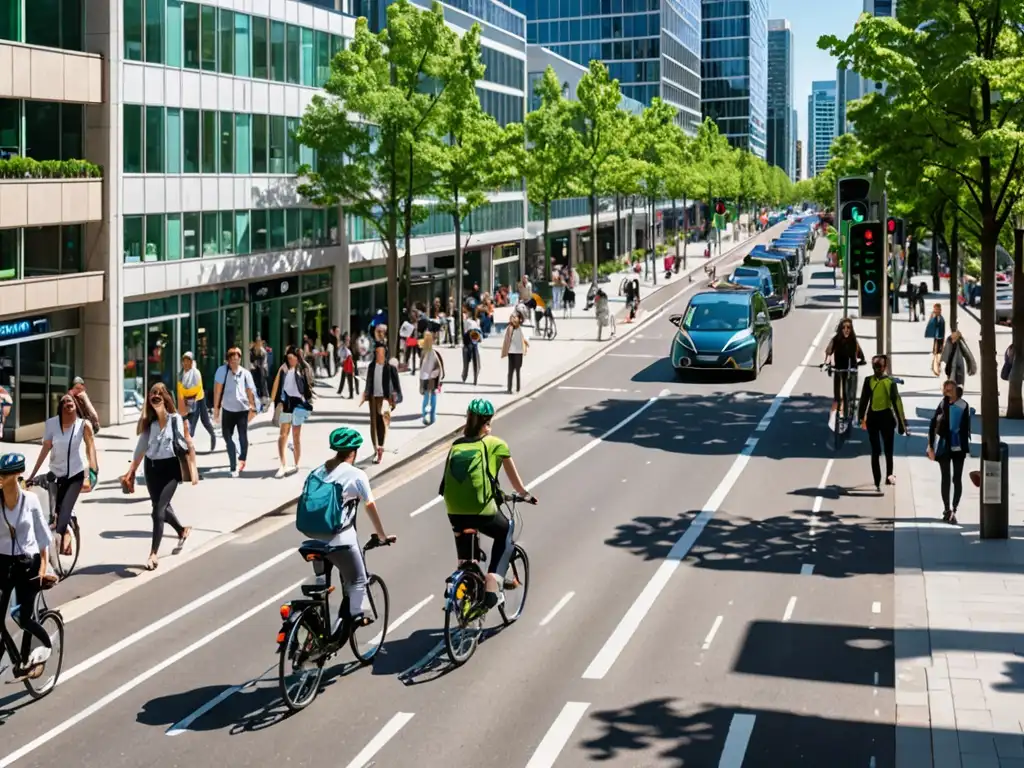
(739, 341)
(683, 339)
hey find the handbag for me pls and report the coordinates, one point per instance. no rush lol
(178, 443)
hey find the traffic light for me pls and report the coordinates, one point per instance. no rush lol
(867, 259)
(896, 229)
(852, 195)
(720, 207)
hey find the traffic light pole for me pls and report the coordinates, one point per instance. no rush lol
(883, 326)
(844, 255)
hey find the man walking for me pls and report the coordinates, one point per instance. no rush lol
(234, 391)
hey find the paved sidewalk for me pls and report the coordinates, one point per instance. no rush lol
(959, 635)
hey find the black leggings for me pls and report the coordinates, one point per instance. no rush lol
(515, 365)
(496, 526)
(162, 479)
(353, 383)
(21, 576)
(951, 467)
(470, 356)
(65, 498)
(882, 434)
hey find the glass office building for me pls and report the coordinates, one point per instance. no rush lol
(780, 145)
(734, 71)
(821, 125)
(652, 47)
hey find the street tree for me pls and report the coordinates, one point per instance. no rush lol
(656, 150)
(683, 182)
(716, 163)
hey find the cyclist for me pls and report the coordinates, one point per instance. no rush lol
(354, 486)
(845, 351)
(471, 495)
(881, 414)
(24, 548)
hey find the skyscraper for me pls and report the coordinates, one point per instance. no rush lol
(848, 89)
(878, 8)
(780, 95)
(652, 48)
(794, 133)
(821, 125)
(799, 160)
(734, 70)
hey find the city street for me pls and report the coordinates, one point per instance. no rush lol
(709, 585)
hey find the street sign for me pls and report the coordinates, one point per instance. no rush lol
(867, 259)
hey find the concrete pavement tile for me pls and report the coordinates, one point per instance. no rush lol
(913, 747)
(978, 719)
(1010, 762)
(964, 688)
(938, 681)
(975, 743)
(960, 659)
(943, 713)
(1009, 746)
(946, 747)
(912, 715)
(911, 698)
(912, 679)
(973, 760)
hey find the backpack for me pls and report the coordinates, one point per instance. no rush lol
(467, 482)
(321, 512)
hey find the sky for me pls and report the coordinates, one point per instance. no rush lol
(809, 20)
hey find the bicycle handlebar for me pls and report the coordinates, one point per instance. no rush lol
(832, 369)
(375, 541)
(517, 498)
(39, 481)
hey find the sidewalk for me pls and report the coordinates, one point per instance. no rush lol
(959, 600)
(116, 529)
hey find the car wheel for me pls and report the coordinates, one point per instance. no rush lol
(771, 352)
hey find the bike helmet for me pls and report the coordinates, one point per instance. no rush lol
(481, 407)
(345, 439)
(12, 464)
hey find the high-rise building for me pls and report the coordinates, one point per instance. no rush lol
(821, 125)
(878, 8)
(848, 89)
(794, 133)
(652, 48)
(780, 95)
(734, 69)
(799, 160)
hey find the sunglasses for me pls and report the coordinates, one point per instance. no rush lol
(155, 399)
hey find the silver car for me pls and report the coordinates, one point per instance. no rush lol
(1004, 305)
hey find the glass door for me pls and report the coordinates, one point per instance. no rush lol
(162, 360)
(234, 331)
(209, 352)
(134, 368)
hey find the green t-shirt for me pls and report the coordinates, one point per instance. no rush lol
(471, 473)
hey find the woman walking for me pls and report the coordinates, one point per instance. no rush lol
(292, 393)
(603, 313)
(431, 376)
(881, 414)
(935, 330)
(192, 398)
(259, 362)
(347, 361)
(382, 386)
(470, 346)
(949, 444)
(957, 359)
(63, 439)
(166, 446)
(514, 347)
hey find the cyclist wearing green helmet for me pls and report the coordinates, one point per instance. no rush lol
(351, 486)
(471, 494)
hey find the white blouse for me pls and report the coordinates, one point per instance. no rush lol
(67, 458)
(31, 528)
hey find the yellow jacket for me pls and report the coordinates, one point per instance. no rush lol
(195, 378)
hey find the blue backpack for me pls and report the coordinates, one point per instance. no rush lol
(321, 512)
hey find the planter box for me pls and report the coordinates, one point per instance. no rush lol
(50, 74)
(45, 202)
(44, 294)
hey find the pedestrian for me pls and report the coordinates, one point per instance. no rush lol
(85, 407)
(571, 280)
(382, 386)
(292, 394)
(935, 330)
(6, 405)
(333, 346)
(514, 347)
(259, 367)
(1007, 367)
(410, 344)
(957, 359)
(557, 288)
(470, 347)
(881, 414)
(431, 376)
(912, 301)
(632, 299)
(165, 445)
(949, 444)
(234, 396)
(347, 363)
(64, 437)
(922, 294)
(602, 311)
(192, 398)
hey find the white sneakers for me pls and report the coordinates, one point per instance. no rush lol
(285, 471)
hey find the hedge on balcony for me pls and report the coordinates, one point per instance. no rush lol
(27, 168)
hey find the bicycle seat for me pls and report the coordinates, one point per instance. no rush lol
(313, 549)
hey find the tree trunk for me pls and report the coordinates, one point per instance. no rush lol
(987, 361)
(686, 233)
(618, 229)
(654, 241)
(937, 228)
(592, 202)
(1015, 401)
(545, 253)
(954, 261)
(459, 269)
(392, 274)
(677, 231)
(407, 266)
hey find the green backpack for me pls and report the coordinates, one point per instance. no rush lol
(468, 486)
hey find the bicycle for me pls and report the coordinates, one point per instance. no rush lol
(464, 608)
(63, 564)
(848, 393)
(307, 641)
(36, 684)
(545, 322)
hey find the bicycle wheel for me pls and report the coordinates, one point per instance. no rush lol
(550, 330)
(39, 687)
(378, 608)
(300, 679)
(461, 636)
(519, 572)
(65, 564)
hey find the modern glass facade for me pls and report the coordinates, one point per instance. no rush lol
(780, 146)
(821, 125)
(848, 88)
(734, 60)
(652, 47)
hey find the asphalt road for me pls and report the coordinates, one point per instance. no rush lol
(711, 585)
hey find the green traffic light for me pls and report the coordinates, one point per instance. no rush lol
(856, 215)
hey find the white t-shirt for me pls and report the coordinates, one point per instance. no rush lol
(291, 386)
(31, 528)
(67, 457)
(406, 330)
(354, 485)
(515, 342)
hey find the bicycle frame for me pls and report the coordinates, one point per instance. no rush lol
(472, 567)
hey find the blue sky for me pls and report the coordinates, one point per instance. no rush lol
(810, 19)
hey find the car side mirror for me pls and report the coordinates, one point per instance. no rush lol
(675, 319)
(761, 318)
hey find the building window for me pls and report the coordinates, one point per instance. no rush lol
(154, 139)
(190, 235)
(293, 51)
(154, 238)
(208, 37)
(172, 250)
(55, 250)
(132, 139)
(9, 254)
(155, 31)
(308, 58)
(277, 56)
(292, 145)
(173, 129)
(227, 42)
(133, 239)
(243, 148)
(260, 143)
(173, 33)
(132, 29)
(293, 228)
(260, 47)
(241, 232)
(192, 36)
(277, 144)
(210, 144)
(211, 233)
(227, 142)
(275, 219)
(191, 143)
(259, 231)
(242, 66)
(323, 58)
(10, 27)
(227, 233)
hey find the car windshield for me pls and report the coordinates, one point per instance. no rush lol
(717, 315)
(751, 281)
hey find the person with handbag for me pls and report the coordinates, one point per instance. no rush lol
(514, 346)
(234, 394)
(292, 394)
(166, 446)
(431, 376)
(382, 386)
(949, 444)
(957, 359)
(192, 398)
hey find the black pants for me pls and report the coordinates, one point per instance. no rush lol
(353, 384)
(162, 479)
(881, 433)
(230, 421)
(951, 467)
(19, 575)
(412, 354)
(515, 365)
(496, 526)
(65, 498)
(201, 413)
(470, 356)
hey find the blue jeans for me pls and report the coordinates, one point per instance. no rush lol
(430, 399)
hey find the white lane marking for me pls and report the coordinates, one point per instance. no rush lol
(624, 354)
(629, 624)
(807, 569)
(594, 389)
(554, 611)
(170, 618)
(184, 724)
(558, 734)
(820, 499)
(876, 607)
(790, 606)
(377, 743)
(402, 619)
(135, 682)
(876, 678)
(794, 377)
(736, 741)
(714, 631)
(871, 762)
(568, 460)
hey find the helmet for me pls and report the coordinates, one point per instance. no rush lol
(481, 407)
(12, 464)
(345, 439)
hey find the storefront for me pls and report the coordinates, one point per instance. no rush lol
(368, 292)
(507, 266)
(287, 311)
(37, 366)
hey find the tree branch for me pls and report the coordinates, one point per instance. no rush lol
(1011, 174)
(968, 180)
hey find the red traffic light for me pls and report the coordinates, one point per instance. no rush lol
(891, 225)
(868, 236)
(720, 208)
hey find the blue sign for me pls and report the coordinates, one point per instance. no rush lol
(19, 329)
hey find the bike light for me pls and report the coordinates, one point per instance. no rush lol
(280, 637)
(286, 612)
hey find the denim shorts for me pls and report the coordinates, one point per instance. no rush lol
(297, 417)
